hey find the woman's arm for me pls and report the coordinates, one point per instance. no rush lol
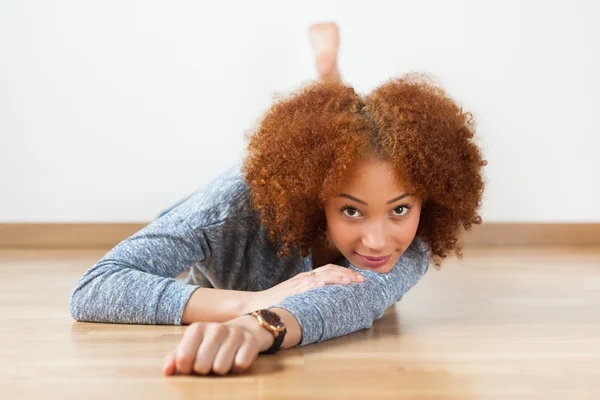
(312, 316)
(336, 310)
(133, 283)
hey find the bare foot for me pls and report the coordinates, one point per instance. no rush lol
(325, 41)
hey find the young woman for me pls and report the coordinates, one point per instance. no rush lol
(335, 213)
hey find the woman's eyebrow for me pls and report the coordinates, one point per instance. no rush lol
(366, 204)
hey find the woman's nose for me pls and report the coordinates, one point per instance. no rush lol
(374, 237)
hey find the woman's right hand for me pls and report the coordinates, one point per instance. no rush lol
(328, 274)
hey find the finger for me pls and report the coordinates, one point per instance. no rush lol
(320, 280)
(332, 267)
(188, 347)
(341, 272)
(169, 365)
(214, 336)
(330, 279)
(308, 273)
(226, 354)
(357, 276)
(246, 354)
(337, 270)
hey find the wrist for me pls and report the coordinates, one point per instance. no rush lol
(248, 303)
(249, 323)
(245, 303)
(216, 305)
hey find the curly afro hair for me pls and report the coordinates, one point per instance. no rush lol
(305, 147)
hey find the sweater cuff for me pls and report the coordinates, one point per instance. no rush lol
(172, 303)
(310, 319)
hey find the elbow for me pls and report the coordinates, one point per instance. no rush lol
(77, 304)
(87, 300)
(92, 299)
(84, 300)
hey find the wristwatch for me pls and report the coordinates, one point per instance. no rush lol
(274, 324)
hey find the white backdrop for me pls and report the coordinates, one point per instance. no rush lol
(111, 111)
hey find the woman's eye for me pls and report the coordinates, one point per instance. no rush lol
(401, 210)
(350, 212)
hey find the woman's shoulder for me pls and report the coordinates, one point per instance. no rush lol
(225, 197)
(419, 255)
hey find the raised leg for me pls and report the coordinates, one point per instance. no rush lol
(325, 41)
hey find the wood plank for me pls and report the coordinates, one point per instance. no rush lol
(502, 323)
(100, 235)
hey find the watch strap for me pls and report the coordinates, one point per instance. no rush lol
(276, 346)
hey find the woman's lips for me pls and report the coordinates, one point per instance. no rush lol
(374, 262)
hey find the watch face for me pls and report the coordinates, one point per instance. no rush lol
(272, 319)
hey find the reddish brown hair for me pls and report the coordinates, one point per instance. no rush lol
(305, 148)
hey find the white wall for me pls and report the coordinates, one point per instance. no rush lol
(111, 111)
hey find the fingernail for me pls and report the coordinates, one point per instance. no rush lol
(345, 279)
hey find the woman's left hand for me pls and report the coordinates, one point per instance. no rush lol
(218, 347)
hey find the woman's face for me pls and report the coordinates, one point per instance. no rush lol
(373, 217)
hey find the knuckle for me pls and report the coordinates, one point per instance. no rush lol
(237, 335)
(212, 326)
(209, 330)
(241, 366)
(220, 369)
(222, 329)
(195, 328)
(201, 369)
(183, 361)
(217, 330)
(250, 338)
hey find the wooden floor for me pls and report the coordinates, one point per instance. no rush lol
(504, 323)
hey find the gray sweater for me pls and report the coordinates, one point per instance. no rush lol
(216, 233)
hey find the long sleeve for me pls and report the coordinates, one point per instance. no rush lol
(335, 310)
(134, 282)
